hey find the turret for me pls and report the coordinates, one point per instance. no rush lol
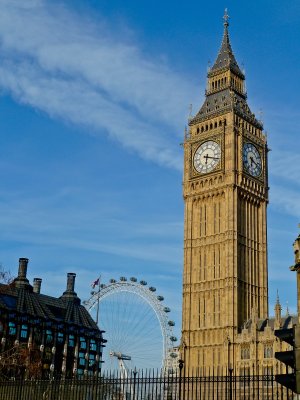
(277, 309)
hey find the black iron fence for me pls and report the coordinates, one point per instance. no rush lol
(148, 385)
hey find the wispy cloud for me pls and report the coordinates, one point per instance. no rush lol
(285, 164)
(82, 71)
(92, 230)
(286, 200)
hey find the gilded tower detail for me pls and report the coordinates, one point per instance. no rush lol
(225, 190)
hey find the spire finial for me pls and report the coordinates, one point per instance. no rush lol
(226, 18)
(277, 298)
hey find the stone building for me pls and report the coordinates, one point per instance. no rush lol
(225, 320)
(58, 332)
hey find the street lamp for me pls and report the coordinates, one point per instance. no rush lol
(181, 363)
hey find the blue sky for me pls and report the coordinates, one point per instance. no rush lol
(94, 100)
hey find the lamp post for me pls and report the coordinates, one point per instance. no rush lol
(134, 382)
(180, 362)
(230, 370)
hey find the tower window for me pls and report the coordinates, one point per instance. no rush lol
(49, 336)
(12, 328)
(245, 353)
(93, 345)
(198, 129)
(60, 338)
(82, 343)
(81, 359)
(24, 331)
(71, 342)
(268, 351)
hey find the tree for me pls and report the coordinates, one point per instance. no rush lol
(5, 276)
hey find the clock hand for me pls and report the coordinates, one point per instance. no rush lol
(214, 158)
(252, 161)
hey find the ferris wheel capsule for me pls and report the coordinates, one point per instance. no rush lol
(123, 279)
(152, 289)
(167, 309)
(144, 283)
(133, 279)
(160, 298)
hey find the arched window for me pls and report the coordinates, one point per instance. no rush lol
(245, 353)
(268, 351)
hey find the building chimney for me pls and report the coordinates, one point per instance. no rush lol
(71, 282)
(23, 262)
(37, 285)
(70, 293)
(21, 280)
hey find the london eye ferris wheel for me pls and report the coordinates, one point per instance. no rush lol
(136, 323)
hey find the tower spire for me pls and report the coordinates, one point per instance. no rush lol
(226, 58)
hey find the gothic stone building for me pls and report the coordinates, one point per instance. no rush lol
(225, 190)
(59, 333)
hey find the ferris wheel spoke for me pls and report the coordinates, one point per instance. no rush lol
(136, 325)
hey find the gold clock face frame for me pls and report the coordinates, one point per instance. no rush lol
(207, 157)
(252, 160)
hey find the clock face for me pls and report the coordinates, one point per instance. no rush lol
(252, 159)
(207, 156)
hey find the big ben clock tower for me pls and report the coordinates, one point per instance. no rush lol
(225, 189)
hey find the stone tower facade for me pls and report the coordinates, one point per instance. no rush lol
(225, 190)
